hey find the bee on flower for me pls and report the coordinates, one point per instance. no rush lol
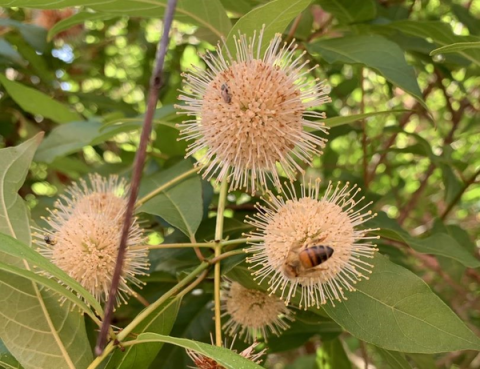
(312, 243)
(84, 234)
(250, 112)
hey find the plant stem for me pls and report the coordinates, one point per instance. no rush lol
(179, 290)
(216, 260)
(218, 251)
(163, 187)
(175, 245)
(155, 83)
(240, 240)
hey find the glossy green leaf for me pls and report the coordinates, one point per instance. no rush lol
(350, 11)
(180, 205)
(372, 51)
(37, 102)
(275, 15)
(204, 13)
(74, 20)
(338, 121)
(141, 356)
(456, 48)
(437, 244)
(332, 355)
(393, 359)
(396, 310)
(223, 356)
(56, 334)
(441, 33)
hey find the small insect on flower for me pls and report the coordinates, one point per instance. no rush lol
(252, 313)
(226, 94)
(84, 234)
(250, 112)
(312, 243)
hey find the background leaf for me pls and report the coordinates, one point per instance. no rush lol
(350, 11)
(36, 102)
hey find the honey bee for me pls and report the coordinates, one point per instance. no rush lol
(49, 240)
(305, 261)
(225, 92)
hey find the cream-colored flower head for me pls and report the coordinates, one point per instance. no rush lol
(250, 113)
(204, 362)
(84, 233)
(312, 243)
(252, 313)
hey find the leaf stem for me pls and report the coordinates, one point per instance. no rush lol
(156, 83)
(163, 187)
(225, 255)
(218, 251)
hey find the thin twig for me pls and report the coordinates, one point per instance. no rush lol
(459, 195)
(156, 82)
(294, 27)
(364, 131)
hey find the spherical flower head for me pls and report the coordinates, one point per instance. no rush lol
(204, 362)
(312, 243)
(84, 233)
(250, 113)
(253, 312)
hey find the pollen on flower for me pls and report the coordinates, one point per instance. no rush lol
(312, 243)
(84, 233)
(250, 113)
(204, 362)
(252, 313)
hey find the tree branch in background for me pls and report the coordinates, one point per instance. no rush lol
(155, 83)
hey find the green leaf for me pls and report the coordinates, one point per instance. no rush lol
(437, 244)
(34, 35)
(350, 11)
(75, 19)
(332, 355)
(441, 33)
(452, 184)
(204, 13)
(141, 356)
(7, 360)
(223, 356)
(12, 247)
(396, 310)
(338, 121)
(180, 205)
(467, 18)
(56, 334)
(375, 52)
(49, 283)
(423, 361)
(394, 360)
(275, 15)
(7, 51)
(456, 48)
(37, 102)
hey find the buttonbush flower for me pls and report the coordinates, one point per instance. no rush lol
(312, 243)
(253, 312)
(250, 113)
(84, 233)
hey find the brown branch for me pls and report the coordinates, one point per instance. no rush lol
(156, 83)
(294, 27)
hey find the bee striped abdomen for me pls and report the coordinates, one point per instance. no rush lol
(315, 255)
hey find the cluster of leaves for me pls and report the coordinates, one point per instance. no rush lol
(405, 91)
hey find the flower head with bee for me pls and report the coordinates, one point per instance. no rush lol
(250, 112)
(84, 233)
(312, 243)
